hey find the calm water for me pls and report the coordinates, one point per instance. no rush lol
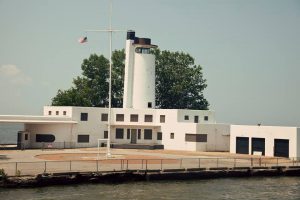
(252, 188)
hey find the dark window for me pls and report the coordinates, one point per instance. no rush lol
(26, 136)
(148, 118)
(128, 133)
(57, 112)
(281, 147)
(64, 112)
(134, 118)
(49, 112)
(105, 134)
(205, 118)
(162, 118)
(83, 138)
(196, 119)
(242, 145)
(44, 138)
(139, 134)
(186, 117)
(119, 133)
(84, 117)
(148, 134)
(159, 135)
(149, 105)
(172, 135)
(104, 117)
(120, 117)
(195, 137)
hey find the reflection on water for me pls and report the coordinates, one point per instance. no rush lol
(238, 188)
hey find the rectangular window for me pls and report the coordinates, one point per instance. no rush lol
(26, 136)
(159, 135)
(205, 118)
(172, 135)
(64, 112)
(134, 118)
(104, 117)
(120, 117)
(105, 134)
(128, 133)
(186, 117)
(139, 134)
(119, 133)
(149, 105)
(196, 119)
(162, 118)
(49, 112)
(83, 138)
(148, 118)
(83, 116)
(148, 134)
(195, 137)
(57, 112)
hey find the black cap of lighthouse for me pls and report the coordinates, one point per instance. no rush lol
(139, 81)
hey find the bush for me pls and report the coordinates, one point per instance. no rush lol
(3, 175)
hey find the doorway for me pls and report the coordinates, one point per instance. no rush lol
(133, 136)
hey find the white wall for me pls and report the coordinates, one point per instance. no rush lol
(269, 133)
(218, 136)
(200, 113)
(59, 109)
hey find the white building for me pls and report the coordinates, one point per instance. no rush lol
(139, 123)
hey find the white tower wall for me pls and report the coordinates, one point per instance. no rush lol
(144, 81)
(128, 79)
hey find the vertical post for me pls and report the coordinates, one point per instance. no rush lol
(277, 162)
(142, 163)
(251, 162)
(161, 165)
(45, 170)
(70, 165)
(146, 165)
(260, 161)
(97, 165)
(199, 164)
(127, 165)
(234, 164)
(293, 161)
(180, 163)
(217, 162)
(16, 167)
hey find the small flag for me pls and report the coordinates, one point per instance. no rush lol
(82, 40)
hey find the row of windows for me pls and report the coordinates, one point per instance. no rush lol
(57, 112)
(147, 134)
(120, 117)
(196, 118)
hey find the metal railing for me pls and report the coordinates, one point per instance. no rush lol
(33, 168)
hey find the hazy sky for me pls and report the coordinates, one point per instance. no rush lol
(249, 50)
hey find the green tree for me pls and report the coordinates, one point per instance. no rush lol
(179, 82)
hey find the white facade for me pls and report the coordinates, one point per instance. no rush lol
(269, 134)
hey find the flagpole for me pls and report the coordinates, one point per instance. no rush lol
(110, 31)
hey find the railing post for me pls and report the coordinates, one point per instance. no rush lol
(70, 165)
(199, 163)
(293, 161)
(97, 165)
(217, 162)
(161, 165)
(260, 162)
(234, 164)
(277, 162)
(45, 170)
(146, 164)
(142, 163)
(16, 167)
(251, 162)
(180, 163)
(127, 165)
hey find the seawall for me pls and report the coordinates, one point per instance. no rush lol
(144, 175)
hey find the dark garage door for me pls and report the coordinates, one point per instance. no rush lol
(258, 144)
(242, 145)
(281, 148)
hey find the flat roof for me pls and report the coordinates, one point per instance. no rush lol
(29, 119)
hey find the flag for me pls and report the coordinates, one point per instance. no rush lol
(82, 40)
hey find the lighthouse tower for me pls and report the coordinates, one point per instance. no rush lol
(139, 82)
